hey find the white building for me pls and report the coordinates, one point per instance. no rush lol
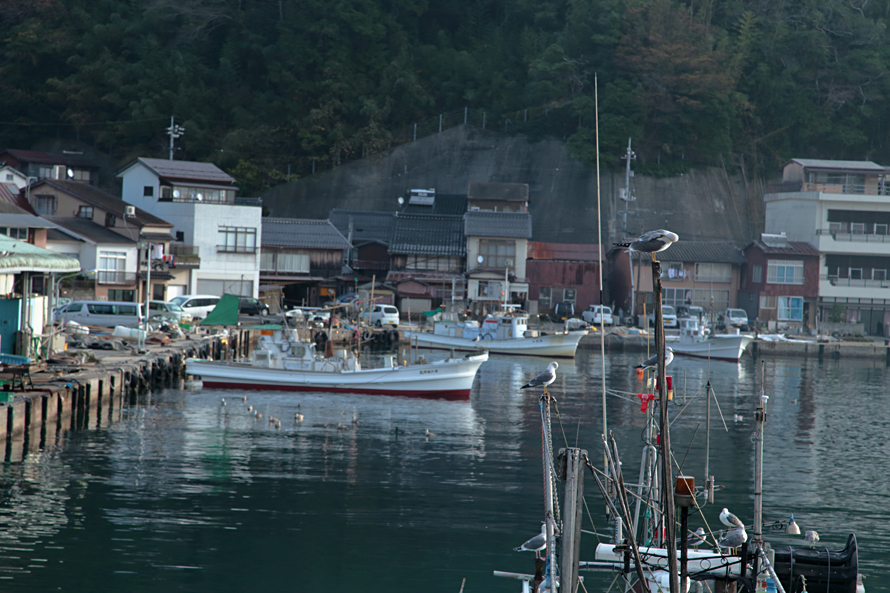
(199, 199)
(842, 208)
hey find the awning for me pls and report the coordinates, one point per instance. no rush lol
(17, 256)
(225, 312)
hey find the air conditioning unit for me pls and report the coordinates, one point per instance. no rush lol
(130, 211)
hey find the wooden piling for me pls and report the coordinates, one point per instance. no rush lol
(572, 468)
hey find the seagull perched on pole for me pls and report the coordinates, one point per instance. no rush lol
(735, 538)
(544, 379)
(652, 361)
(651, 242)
(729, 519)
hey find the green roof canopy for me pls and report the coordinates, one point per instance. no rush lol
(225, 312)
(17, 256)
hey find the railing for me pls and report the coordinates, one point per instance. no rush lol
(235, 249)
(189, 200)
(369, 264)
(871, 189)
(248, 201)
(855, 282)
(854, 237)
(116, 277)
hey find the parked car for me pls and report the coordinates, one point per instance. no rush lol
(167, 309)
(101, 313)
(596, 313)
(198, 305)
(736, 318)
(563, 310)
(668, 314)
(252, 306)
(380, 315)
(309, 314)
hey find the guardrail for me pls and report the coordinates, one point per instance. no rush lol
(854, 237)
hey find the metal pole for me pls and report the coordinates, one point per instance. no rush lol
(172, 128)
(147, 286)
(600, 266)
(572, 505)
(760, 418)
(666, 468)
(548, 492)
(52, 306)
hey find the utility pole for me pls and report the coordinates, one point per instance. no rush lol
(626, 196)
(174, 131)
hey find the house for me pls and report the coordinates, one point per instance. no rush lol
(497, 247)
(369, 233)
(210, 223)
(427, 253)
(498, 197)
(117, 239)
(25, 312)
(841, 208)
(562, 272)
(9, 175)
(701, 273)
(37, 165)
(780, 286)
(301, 254)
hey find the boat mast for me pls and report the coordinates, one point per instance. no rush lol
(759, 418)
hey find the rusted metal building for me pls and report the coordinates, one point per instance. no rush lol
(562, 272)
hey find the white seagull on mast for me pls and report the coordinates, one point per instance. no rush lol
(544, 379)
(651, 242)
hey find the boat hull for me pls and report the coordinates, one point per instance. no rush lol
(730, 348)
(451, 379)
(554, 345)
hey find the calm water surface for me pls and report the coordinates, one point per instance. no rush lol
(183, 494)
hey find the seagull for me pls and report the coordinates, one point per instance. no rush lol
(544, 379)
(812, 537)
(244, 399)
(735, 538)
(697, 538)
(535, 544)
(298, 417)
(652, 361)
(250, 408)
(223, 402)
(429, 434)
(729, 519)
(477, 338)
(651, 242)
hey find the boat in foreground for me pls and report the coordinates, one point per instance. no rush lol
(500, 334)
(693, 341)
(282, 363)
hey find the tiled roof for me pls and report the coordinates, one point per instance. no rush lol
(790, 248)
(367, 225)
(84, 227)
(23, 219)
(46, 158)
(510, 225)
(455, 204)
(58, 234)
(428, 235)
(847, 165)
(9, 192)
(511, 192)
(100, 199)
(538, 250)
(187, 170)
(302, 232)
(698, 252)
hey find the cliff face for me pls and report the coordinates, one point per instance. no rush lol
(706, 205)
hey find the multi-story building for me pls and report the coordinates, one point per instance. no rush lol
(209, 222)
(842, 209)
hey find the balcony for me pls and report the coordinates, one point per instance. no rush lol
(833, 241)
(855, 282)
(116, 278)
(861, 189)
(854, 237)
(185, 256)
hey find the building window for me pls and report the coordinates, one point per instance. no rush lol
(855, 274)
(568, 295)
(784, 272)
(544, 294)
(674, 271)
(237, 240)
(180, 236)
(15, 232)
(148, 191)
(713, 273)
(857, 228)
(757, 273)
(489, 290)
(46, 205)
(767, 302)
(880, 229)
(497, 254)
(284, 262)
(878, 274)
(711, 300)
(85, 212)
(676, 296)
(790, 308)
(78, 174)
(10, 177)
(112, 267)
(115, 294)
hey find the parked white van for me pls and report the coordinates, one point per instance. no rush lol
(381, 315)
(101, 313)
(198, 305)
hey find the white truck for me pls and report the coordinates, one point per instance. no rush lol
(736, 318)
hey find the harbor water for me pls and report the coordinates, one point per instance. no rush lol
(403, 495)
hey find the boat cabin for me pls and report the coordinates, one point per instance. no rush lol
(284, 350)
(494, 327)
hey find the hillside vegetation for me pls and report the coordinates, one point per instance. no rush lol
(261, 85)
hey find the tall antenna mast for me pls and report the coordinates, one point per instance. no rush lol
(174, 131)
(626, 195)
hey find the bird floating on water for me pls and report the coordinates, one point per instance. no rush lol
(250, 408)
(812, 537)
(298, 417)
(427, 432)
(544, 379)
(244, 399)
(651, 242)
(652, 361)
(223, 402)
(729, 519)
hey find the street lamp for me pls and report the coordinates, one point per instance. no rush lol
(57, 286)
(147, 246)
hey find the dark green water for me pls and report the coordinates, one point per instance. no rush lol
(184, 494)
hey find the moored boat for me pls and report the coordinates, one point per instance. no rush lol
(503, 333)
(693, 341)
(282, 363)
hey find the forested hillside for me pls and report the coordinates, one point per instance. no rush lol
(263, 84)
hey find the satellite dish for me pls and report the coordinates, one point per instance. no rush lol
(480, 259)
(176, 193)
(401, 200)
(71, 173)
(200, 197)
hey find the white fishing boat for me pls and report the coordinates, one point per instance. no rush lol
(502, 333)
(694, 341)
(283, 363)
